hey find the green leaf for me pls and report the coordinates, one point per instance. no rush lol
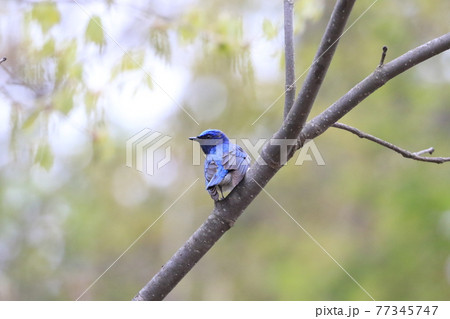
(159, 40)
(229, 27)
(30, 120)
(76, 71)
(44, 156)
(46, 14)
(48, 49)
(224, 48)
(90, 100)
(130, 61)
(63, 101)
(190, 26)
(70, 52)
(66, 62)
(187, 34)
(94, 31)
(148, 80)
(270, 31)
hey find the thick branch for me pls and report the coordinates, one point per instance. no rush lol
(374, 81)
(224, 215)
(289, 96)
(184, 259)
(307, 95)
(415, 156)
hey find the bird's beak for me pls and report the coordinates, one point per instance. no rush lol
(193, 138)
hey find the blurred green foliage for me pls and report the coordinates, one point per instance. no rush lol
(46, 14)
(94, 31)
(70, 207)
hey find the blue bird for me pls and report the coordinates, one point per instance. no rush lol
(225, 164)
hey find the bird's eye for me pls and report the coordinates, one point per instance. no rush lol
(208, 136)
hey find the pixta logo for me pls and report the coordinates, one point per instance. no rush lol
(308, 153)
(142, 151)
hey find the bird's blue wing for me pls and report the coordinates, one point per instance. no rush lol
(236, 159)
(218, 177)
(218, 166)
(214, 171)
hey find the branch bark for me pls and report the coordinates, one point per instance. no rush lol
(415, 156)
(227, 211)
(303, 104)
(289, 96)
(374, 81)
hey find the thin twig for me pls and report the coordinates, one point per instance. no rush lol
(415, 156)
(2, 60)
(289, 97)
(429, 150)
(383, 56)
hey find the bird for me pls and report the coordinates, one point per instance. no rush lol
(225, 164)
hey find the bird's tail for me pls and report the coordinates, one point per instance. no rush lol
(213, 193)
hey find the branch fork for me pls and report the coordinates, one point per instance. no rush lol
(296, 111)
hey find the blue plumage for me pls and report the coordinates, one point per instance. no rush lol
(225, 164)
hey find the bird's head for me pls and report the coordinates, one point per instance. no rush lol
(209, 139)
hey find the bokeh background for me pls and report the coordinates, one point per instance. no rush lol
(72, 94)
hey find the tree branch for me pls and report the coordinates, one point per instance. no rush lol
(289, 96)
(374, 81)
(227, 211)
(415, 156)
(383, 56)
(303, 104)
(184, 259)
